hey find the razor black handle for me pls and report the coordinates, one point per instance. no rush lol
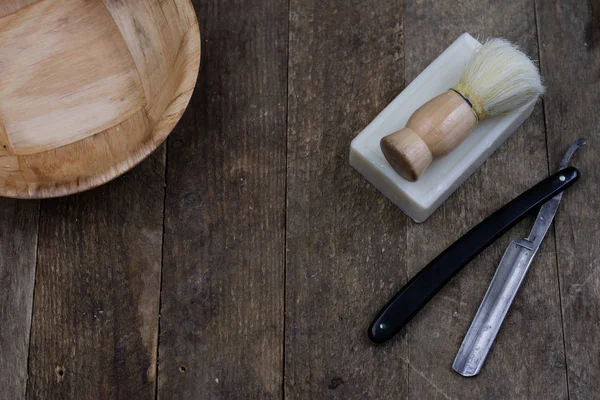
(423, 286)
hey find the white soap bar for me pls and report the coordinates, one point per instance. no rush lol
(421, 198)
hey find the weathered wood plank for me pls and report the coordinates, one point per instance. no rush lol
(527, 360)
(223, 276)
(95, 327)
(345, 242)
(18, 245)
(570, 60)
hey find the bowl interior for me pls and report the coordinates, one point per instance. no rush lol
(88, 88)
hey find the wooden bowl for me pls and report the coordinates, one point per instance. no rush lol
(89, 88)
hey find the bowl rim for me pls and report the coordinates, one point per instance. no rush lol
(159, 134)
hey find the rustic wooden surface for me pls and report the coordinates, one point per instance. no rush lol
(96, 301)
(565, 48)
(18, 239)
(246, 258)
(221, 324)
(342, 248)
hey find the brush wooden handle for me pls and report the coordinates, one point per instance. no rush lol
(436, 128)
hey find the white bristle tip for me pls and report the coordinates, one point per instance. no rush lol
(501, 77)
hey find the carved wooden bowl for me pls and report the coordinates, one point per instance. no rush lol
(89, 88)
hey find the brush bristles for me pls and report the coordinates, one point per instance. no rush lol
(499, 78)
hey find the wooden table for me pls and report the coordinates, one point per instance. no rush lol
(246, 258)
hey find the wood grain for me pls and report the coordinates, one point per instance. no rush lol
(95, 327)
(11, 7)
(151, 41)
(345, 242)
(434, 130)
(6, 147)
(76, 69)
(110, 151)
(62, 90)
(222, 299)
(570, 60)
(527, 359)
(18, 242)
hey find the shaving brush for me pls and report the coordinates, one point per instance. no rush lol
(498, 78)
